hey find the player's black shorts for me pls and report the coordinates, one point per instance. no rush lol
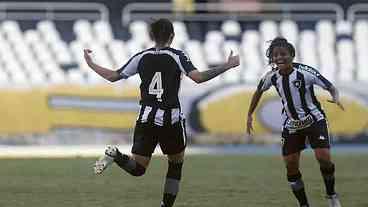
(172, 138)
(317, 135)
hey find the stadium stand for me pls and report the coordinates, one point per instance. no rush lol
(45, 54)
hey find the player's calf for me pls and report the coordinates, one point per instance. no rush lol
(129, 165)
(297, 186)
(172, 183)
(327, 169)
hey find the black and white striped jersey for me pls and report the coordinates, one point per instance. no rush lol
(296, 91)
(160, 72)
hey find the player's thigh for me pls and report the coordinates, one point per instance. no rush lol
(173, 139)
(323, 155)
(144, 140)
(319, 137)
(292, 143)
(292, 161)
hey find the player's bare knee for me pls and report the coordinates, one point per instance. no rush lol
(139, 170)
(292, 167)
(176, 158)
(325, 163)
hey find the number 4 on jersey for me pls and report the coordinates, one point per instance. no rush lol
(155, 87)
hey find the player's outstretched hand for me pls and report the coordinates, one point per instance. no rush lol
(87, 56)
(338, 103)
(250, 125)
(232, 61)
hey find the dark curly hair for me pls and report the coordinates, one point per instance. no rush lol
(279, 42)
(160, 30)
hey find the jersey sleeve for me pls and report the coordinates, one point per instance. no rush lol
(265, 82)
(186, 64)
(130, 68)
(314, 77)
(320, 80)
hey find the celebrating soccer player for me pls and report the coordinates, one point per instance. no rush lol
(160, 120)
(302, 116)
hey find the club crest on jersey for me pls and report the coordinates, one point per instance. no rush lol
(297, 83)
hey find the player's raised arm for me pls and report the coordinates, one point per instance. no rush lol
(204, 76)
(106, 73)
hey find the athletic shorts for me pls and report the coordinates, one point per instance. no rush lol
(171, 138)
(317, 135)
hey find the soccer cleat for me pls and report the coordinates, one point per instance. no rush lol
(333, 200)
(111, 151)
(105, 161)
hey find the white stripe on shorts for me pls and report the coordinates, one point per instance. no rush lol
(175, 115)
(159, 117)
(183, 131)
(147, 110)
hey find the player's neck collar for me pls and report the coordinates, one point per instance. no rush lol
(282, 73)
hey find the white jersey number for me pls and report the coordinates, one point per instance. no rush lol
(155, 87)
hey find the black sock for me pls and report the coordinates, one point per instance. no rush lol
(329, 178)
(129, 165)
(297, 185)
(172, 182)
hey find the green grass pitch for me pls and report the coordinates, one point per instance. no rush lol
(208, 181)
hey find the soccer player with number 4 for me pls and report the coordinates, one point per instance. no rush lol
(302, 116)
(160, 120)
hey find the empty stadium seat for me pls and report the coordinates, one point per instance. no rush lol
(19, 78)
(119, 53)
(326, 32)
(213, 54)
(328, 66)
(4, 79)
(76, 76)
(62, 53)
(231, 28)
(32, 36)
(344, 28)
(268, 30)
(289, 30)
(346, 60)
(338, 50)
(12, 30)
(252, 62)
(307, 48)
(360, 36)
(362, 62)
(48, 31)
(214, 37)
(251, 38)
(37, 78)
(83, 31)
(181, 34)
(56, 77)
(103, 31)
(194, 50)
